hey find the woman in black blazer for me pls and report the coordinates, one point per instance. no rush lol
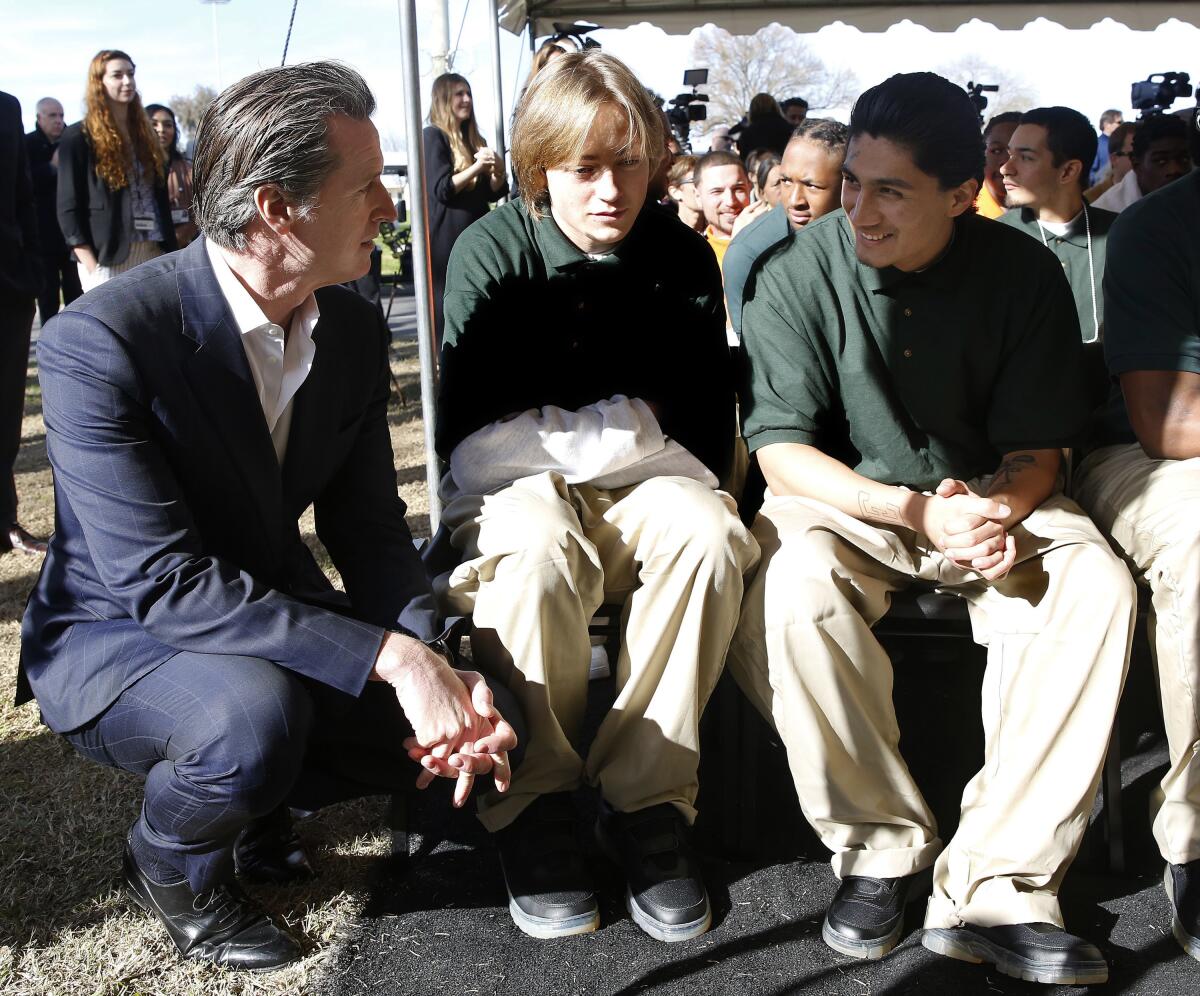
(112, 190)
(462, 176)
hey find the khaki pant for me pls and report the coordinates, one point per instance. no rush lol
(1151, 509)
(1057, 631)
(539, 559)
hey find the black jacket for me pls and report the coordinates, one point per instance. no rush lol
(767, 132)
(45, 191)
(91, 214)
(18, 221)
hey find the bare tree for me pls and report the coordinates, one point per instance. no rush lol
(775, 60)
(1016, 93)
(189, 110)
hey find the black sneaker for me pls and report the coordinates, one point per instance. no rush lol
(1036, 952)
(866, 916)
(666, 895)
(1182, 883)
(550, 891)
(222, 926)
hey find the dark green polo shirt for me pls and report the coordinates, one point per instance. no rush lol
(532, 321)
(1071, 249)
(752, 244)
(910, 378)
(1152, 294)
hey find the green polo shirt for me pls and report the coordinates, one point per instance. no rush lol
(753, 243)
(910, 378)
(1152, 294)
(532, 321)
(1071, 248)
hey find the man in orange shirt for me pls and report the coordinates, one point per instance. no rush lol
(724, 190)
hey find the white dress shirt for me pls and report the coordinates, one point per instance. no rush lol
(1118, 197)
(279, 363)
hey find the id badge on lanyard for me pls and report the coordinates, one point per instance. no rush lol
(142, 223)
(179, 216)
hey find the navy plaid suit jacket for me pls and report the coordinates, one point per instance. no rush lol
(176, 528)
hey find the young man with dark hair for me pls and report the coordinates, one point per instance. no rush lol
(909, 413)
(1160, 156)
(811, 187)
(990, 202)
(1043, 180)
(795, 109)
(724, 190)
(1141, 486)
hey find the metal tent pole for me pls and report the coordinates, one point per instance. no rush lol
(497, 82)
(423, 282)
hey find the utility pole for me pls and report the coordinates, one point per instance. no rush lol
(441, 37)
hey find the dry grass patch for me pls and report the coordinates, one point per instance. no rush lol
(65, 927)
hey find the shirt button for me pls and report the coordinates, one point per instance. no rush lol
(908, 312)
(908, 354)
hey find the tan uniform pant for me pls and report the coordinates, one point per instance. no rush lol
(1151, 509)
(539, 559)
(1057, 631)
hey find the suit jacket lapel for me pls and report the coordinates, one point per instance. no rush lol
(221, 381)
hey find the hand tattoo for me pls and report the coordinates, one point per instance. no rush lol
(886, 512)
(1010, 468)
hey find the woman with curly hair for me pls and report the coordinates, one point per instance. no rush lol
(462, 176)
(179, 172)
(112, 187)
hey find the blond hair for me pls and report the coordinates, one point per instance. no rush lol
(464, 136)
(557, 112)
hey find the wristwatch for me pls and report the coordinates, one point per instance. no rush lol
(440, 646)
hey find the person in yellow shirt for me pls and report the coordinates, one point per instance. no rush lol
(996, 136)
(724, 190)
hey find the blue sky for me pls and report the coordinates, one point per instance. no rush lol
(45, 49)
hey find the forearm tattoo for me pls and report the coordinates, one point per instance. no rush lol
(1010, 468)
(877, 511)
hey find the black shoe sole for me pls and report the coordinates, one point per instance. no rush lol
(1186, 941)
(146, 905)
(978, 950)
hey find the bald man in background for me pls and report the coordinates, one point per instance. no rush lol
(60, 275)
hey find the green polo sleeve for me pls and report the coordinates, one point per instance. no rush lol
(1040, 398)
(1150, 289)
(786, 391)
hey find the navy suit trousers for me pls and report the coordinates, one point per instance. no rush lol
(223, 740)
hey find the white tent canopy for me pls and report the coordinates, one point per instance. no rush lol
(744, 17)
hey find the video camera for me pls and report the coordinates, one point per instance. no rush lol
(975, 93)
(688, 107)
(1158, 91)
(576, 32)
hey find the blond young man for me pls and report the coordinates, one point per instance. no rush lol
(586, 412)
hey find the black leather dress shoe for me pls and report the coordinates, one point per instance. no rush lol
(222, 926)
(1182, 883)
(666, 895)
(866, 917)
(269, 850)
(1036, 952)
(550, 891)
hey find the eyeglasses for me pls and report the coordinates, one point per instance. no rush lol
(1120, 155)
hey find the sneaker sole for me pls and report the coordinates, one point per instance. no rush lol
(668, 932)
(978, 950)
(545, 928)
(863, 950)
(1186, 941)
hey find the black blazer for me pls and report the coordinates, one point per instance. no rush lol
(19, 276)
(176, 528)
(91, 214)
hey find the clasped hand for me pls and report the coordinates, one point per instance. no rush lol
(457, 730)
(969, 529)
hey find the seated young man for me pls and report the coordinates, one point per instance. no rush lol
(586, 411)
(1142, 486)
(724, 190)
(909, 412)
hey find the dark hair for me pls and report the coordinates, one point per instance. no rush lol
(173, 152)
(1004, 117)
(930, 117)
(1154, 129)
(716, 159)
(1069, 136)
(823, 131)
(794, 102)
(1118, 135)
(763, 170)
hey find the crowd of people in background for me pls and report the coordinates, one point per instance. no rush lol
(750, 394)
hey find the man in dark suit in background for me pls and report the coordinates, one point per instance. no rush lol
(195, 406)
(59, 272)
(19, 284)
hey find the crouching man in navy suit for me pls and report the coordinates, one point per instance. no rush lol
(195, 407)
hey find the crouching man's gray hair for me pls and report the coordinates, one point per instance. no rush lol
(269, 128)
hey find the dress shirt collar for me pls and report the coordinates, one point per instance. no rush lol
(247, 315)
